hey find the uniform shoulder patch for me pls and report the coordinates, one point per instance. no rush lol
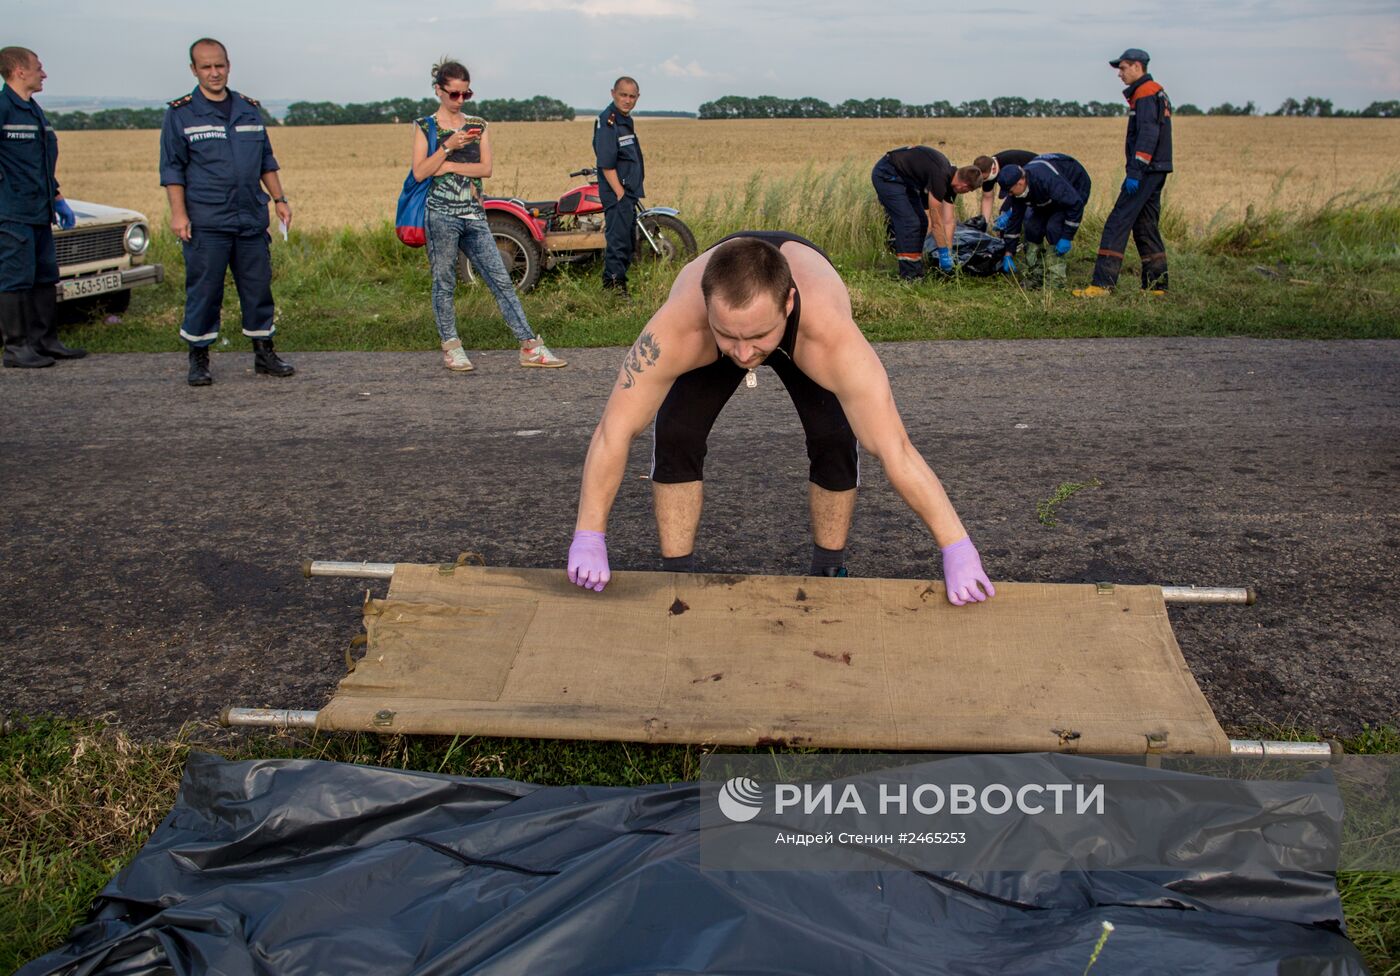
(612, 118)
(249, 99)
(182, 100)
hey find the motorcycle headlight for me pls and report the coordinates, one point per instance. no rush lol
(137, 239)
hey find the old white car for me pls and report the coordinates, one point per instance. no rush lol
(104, 256)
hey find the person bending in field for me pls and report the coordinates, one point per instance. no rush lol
(760, 298)
(456, 220)
(991, 169)
(919, 188)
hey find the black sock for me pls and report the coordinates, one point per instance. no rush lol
(679, 564)
(826, 559)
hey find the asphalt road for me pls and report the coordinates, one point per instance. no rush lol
(152, 533)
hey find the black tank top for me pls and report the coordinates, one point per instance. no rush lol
(778, 238)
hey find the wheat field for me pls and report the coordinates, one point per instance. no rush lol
(342, 176)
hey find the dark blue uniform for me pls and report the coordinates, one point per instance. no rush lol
(1057, 190)
(28, 186)
(1149, 159)
(28, 264)
(219, 159)
(615, 146)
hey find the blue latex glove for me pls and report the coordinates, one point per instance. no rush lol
(1130, 186)
(1063, 246)
(1007, 265)
(66, 218)
(945, 258)
(1003, 221)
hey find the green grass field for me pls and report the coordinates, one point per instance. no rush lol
(1328, 274)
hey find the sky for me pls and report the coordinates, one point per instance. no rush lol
(684, 52)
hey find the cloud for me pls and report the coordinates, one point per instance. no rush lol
(672, 68)
(610, 8)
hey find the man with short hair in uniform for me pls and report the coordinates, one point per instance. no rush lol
(991, 167)
(760, 298)
(620, 179)
(30, 204)
(1048, 196)
(214, 153)
(918, 188)
(1148, 149)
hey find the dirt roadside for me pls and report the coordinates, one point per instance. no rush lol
(152, 533)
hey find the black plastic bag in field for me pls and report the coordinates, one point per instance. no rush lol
(975, 252)
(298, 866)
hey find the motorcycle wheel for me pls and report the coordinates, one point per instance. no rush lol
(672, 236)
(519, 252)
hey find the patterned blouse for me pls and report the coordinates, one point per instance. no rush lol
(452, 193)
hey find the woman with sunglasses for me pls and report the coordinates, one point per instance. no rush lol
(456, 220)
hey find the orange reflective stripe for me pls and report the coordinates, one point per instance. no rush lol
(911, 256)
(1151, 88)
(1106, 253)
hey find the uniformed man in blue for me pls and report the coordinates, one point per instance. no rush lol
(620, 172)
(30, 204)
(1148, 153)
(214, 153)
(1048, 196)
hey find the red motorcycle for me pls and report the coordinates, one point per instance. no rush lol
(534, 235)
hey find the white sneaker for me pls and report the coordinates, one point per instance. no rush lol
(454, 358)
(536, 353)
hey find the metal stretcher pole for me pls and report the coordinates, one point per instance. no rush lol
(1178, 595)
(289, 718)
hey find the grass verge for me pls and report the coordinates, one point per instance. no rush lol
(77, 801)
(1332, 273)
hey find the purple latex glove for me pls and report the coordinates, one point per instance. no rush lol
(963, 573)
(588, 560)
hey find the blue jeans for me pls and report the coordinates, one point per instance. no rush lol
(446, 235)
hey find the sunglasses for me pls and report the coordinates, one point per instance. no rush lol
(456, 96)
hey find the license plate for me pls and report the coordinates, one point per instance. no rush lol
(96, 285)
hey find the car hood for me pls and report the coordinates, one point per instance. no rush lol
(96, 213)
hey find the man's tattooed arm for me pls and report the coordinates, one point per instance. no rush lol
(644, 352)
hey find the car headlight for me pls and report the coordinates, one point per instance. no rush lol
(137, 239)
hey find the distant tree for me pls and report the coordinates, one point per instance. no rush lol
(1381, 110)
(1188, 109)
(1225, 108)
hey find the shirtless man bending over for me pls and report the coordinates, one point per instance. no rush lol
(760, 298)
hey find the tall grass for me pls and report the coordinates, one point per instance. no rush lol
(1333, 272)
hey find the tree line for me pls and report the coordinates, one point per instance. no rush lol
(537, 109)
(540, 108)
(773, 107)
(122, 118)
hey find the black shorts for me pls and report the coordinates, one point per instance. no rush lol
(683, 423)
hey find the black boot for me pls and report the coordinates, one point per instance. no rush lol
(45, 325)
(14, 322)
(265, 360)
(199, 367)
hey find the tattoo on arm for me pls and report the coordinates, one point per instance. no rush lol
(644, 352)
